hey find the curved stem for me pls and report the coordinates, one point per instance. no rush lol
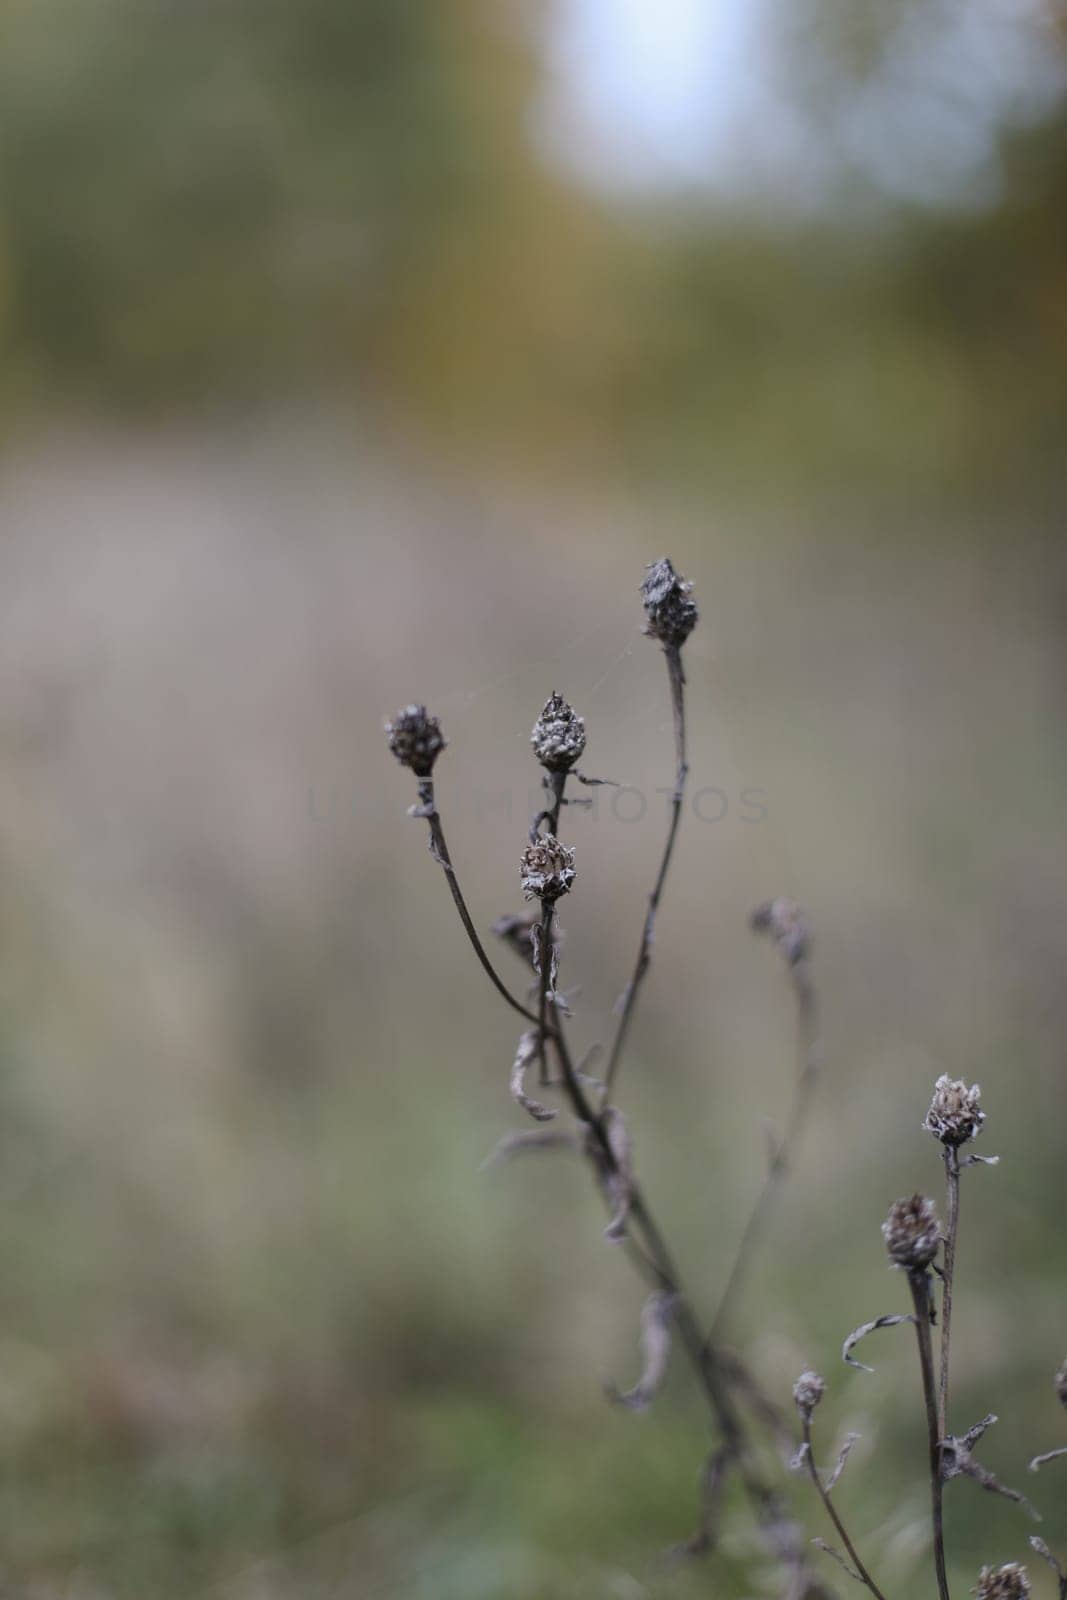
(920, 1292)
(808, 1071)
(952, 1180)
(831, 1511)
(439, 850)
(677, 683)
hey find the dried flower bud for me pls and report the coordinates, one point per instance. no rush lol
(1061, 1384)
(558, 735)
(547, 868)
(415, 738)
(671, 614)
(911, 1232)
(788, 925)
(807, 1392)
(954, 1115)
(1003, 1583)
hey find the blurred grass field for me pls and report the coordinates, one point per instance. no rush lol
(324, 392)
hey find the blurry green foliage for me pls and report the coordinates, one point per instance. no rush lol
(202, 202)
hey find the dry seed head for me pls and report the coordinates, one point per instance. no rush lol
(415, 738)
(672, 614)
(954, 1116)
(1011, 1582)
(1061, 1384)
(558, 735)
(787, 924)
(911, 1232)
(807, 1392)
(546, 868)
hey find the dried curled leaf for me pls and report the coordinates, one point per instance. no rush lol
(528, 1051)
(957, 1461)
(655, 1353)
(619, 1181)
(799, 1460)
(861, 1333)
(828, 1549)
(846, 1451)
(1050, 1455)
(980, 1161)
(517, 1144)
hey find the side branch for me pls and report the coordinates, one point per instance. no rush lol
(673, 654)
(439, 850)
(919, 1282)
(952, 1180)
(809, 1049)
(831, 1511)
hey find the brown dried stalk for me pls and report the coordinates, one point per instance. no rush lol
(789, 928)
(673, 655)
(824, 1493)
(919, 1283)
(948, 1270)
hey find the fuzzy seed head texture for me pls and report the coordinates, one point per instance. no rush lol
(546, 868)
(954, 1116)
(807, 1392)
(558, 736)
(415, 738)
(911, 1232)
(670, 611)
(1011, 1582)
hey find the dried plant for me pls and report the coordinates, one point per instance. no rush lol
(745, 1417)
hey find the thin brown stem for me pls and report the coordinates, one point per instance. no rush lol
(952, 1181)
(832, 1513)
(919, 1282)
(677, 682)
(439, 850)
(781, 1162)
(546, 961)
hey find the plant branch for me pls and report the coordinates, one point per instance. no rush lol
(919, 1282)
(439, 850)
(809, 1051)
(952, 1180)
(650, 1252)
(677, 682)
(832, 1513)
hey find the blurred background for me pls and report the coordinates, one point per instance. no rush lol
(364, 351)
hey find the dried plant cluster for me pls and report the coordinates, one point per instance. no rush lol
(745, 1419)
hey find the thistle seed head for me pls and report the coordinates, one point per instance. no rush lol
(911, 1232)
(954, 1116)
(671, 613)
(546, 868)
(1011, 1582)
(1061, 1384)
(787, 924)
(807, 1392)
(415, 738)
(558, 735)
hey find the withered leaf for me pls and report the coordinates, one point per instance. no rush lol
(527, 1052)
(861, 1333)
(655, 1353)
